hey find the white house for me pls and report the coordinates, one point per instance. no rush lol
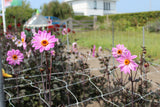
(93, 7)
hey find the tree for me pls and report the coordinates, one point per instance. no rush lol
(60, 10)
(21, 13)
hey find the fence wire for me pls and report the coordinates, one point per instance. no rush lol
(102, 95)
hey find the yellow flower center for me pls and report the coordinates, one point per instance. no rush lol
(13, 38)
(22, 40)
(119, 52)
(14, 57)
(126, 62)
(44, 42)
(19, 42)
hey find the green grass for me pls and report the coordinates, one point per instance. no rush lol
(131, 39)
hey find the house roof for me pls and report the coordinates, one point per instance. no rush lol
(37, 21)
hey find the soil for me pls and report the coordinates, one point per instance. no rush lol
(153, 75)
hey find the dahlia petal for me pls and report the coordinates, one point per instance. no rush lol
(134, 56)
(9, 53)
(120, 59)
(126, 69)
(41, 49)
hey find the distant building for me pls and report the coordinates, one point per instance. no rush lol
(93, 7)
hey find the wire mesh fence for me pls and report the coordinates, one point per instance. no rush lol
(85, 86)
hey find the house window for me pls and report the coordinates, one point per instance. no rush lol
(71, 4)
(95, 4)
(107, 6)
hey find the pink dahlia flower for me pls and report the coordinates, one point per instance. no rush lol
(53, 52)
(100, 49)
(14, 38)
(126, 62)
(74, 47)
(33, 31)
(29, 53)
(119, 50)
(64, 31)
(18, 43)
(8, 36)
(43, 41)
(23, 39)
(14, 57)
(94, 49)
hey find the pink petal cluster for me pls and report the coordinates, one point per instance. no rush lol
(28, 54)
(53, 52)
(23, 39)
(100, 49)
(119, 50)
(64, 31)
(43, 41)
(126, 62)
(93, 51)
(8, 36)
(74, 47)
(14, 57)
(124, 57)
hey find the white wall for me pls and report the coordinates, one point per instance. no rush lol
(112, 6)
(87, 7)
(92, 11)
(80, 6)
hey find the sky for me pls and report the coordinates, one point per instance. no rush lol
(123, 6)
(131, 6)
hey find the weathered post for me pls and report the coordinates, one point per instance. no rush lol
(143, 38)
(70, 24)
(94, 22)
(113, 39)
(67, 35)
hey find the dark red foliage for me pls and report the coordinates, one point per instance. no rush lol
(1, 34)
(9, 27)
(45, 27)
(64, 26)
(68, 30)
(28, 29)
(58, 33)
(73, 31)
(40, 28)
(18, 24)
(48, 31)
(50, 27)
(146, 65)
(54, 29)
(57, 25)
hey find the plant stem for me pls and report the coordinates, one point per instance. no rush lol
(141, 64)
(45, 97)
(47, 70)
(132, 88)
(50, 80)
(121, 78)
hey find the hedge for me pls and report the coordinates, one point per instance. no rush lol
(135, 19)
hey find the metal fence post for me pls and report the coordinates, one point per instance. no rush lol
(143, 38)
(67, 37)
(2, 98)
(71, 23)
(113, 39)
(94, 22)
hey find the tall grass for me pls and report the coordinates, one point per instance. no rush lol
(133, 40)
